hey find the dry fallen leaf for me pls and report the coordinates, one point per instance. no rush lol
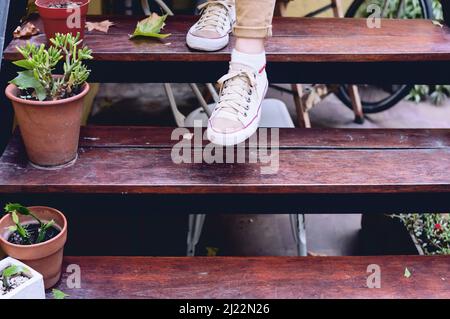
(26, 31)
(102, 26)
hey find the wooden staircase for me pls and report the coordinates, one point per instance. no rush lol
(327, 170)
(306, 50)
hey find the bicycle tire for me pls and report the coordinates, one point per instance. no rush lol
(391, 100)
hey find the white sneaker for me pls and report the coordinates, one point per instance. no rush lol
(237, 114)
(211, 32)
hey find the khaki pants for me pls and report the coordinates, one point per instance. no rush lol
(254, 18)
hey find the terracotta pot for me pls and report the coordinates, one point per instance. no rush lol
(50, 129)
(46, 258)
(59, 20)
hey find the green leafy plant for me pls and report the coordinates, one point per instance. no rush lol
(37, 81)
(13, 210)
(11, 271)
(438, 94)
(432, 231)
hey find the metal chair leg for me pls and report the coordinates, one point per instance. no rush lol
(200, 98)
(356, 104)
(298, 227)
(196, 222)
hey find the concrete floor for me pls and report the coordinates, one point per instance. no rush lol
(255, 235)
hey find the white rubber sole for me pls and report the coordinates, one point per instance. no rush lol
(205, 44)
(230, 139)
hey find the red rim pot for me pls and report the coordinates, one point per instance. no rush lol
(62, 20)
(46, 258)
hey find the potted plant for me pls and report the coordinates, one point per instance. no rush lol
(36, 236)
(430, 233)
(63, 16)
(405, 234)
(18, 281)
(49, 107)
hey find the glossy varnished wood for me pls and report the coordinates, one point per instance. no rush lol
(138, 161)
(258, 277)
(294, 40)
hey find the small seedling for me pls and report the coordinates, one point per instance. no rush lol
(15, 209)
(11, 271)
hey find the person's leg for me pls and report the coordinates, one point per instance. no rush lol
(236, 117)
(253, 25)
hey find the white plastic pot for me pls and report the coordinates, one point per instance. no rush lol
(31, 289)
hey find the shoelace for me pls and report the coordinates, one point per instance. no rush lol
(215, 15)
(236, 88)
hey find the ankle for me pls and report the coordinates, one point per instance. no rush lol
(250, 45)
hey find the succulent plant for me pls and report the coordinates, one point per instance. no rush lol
(38, 82)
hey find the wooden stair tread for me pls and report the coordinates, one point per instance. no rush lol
(116, 160)
(295, 40)
(257, 277)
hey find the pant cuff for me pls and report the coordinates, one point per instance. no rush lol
(252, 32)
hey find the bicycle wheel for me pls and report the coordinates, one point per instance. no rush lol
(378, 98)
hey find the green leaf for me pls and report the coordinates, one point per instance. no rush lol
(43, 231)
(49, 224)
(407, 273)
(58, 294)
(151, 27)
(14, 217)
(14, 270)
(23, 232)
(15, 207)
(26, 64)
(26, 80)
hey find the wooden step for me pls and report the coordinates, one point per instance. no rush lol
(333, 169)
(316, 46)
(257, 277)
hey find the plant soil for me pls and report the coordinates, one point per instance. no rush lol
(15, 282)
(64, 5)
(33, 231)
(30, 95)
